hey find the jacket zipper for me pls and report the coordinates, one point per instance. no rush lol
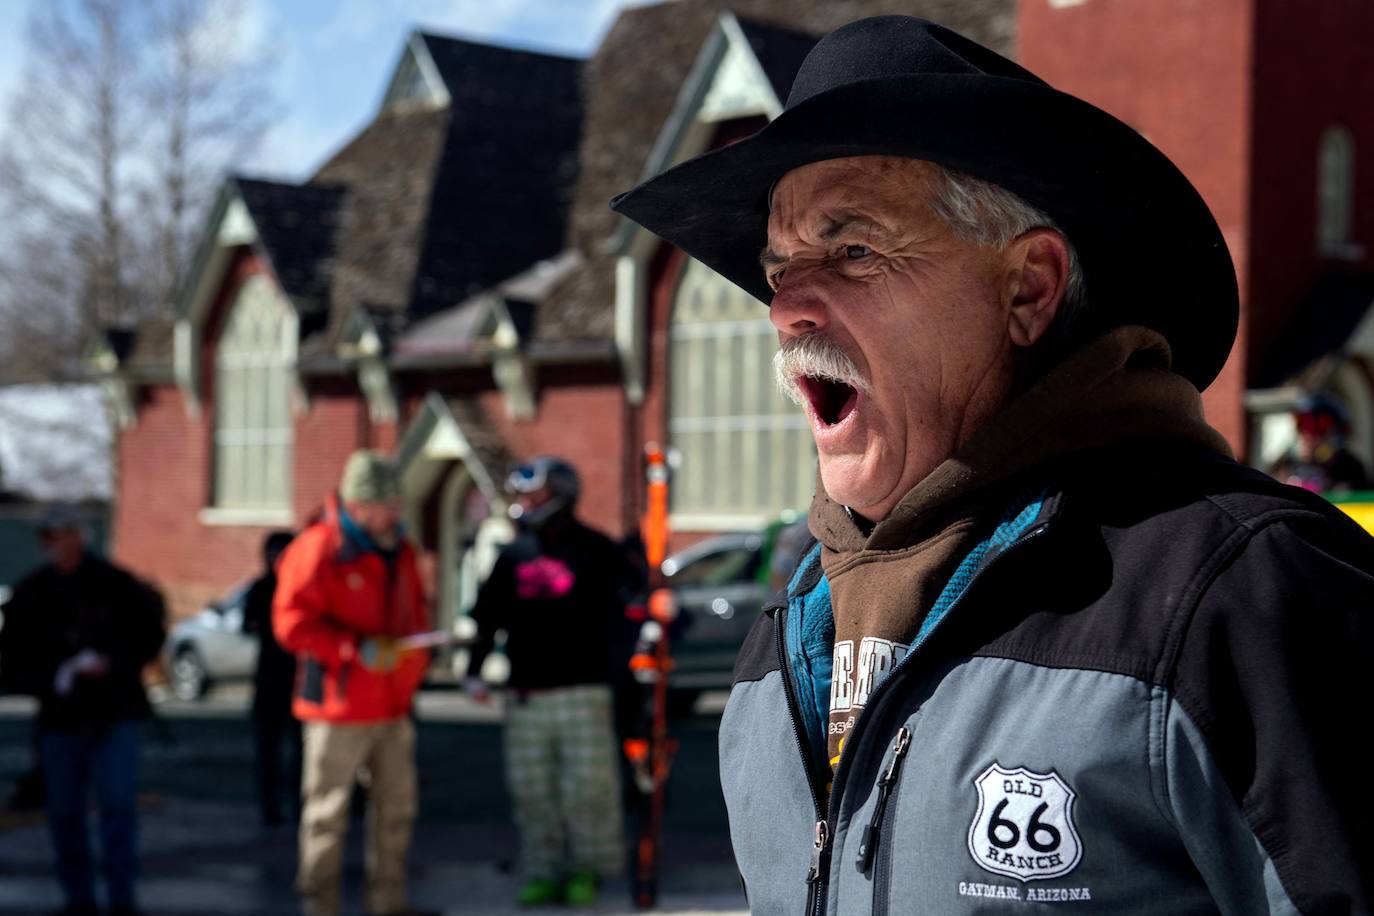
(869, 843)
(876, 850)
(841, 771)
(820, 847)
(816, 875)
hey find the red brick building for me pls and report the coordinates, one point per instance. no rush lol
(452, 287)
(1268, 107)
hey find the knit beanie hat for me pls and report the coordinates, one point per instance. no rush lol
(369, 476)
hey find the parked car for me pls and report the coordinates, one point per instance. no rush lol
(211, 648)
(721, 585)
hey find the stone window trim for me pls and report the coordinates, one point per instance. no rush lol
(253, 423)
(747, 453)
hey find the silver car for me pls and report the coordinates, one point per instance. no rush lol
(211, 648)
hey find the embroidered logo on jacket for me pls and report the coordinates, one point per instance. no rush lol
(1024, 827)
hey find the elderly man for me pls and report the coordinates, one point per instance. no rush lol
(347, 588)
(1054, 644)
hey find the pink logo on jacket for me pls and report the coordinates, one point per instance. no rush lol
(543, 578)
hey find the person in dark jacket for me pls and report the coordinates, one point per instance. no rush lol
(78, 633)
(1321, 460)
(559, 591)
(1053, 644)
(275, 729)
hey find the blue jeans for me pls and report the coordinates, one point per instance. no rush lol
(72, 762)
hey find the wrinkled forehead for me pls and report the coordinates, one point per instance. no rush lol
(880, 188)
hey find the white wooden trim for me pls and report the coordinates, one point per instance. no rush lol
(710, 521)
(218, 516)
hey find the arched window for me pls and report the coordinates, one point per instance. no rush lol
(747, 451)
(253, 400)
(1336, 190)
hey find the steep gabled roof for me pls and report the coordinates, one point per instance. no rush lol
(505, 182)
(482, 73)
(634, 77)
(389, 171)
(1320, 331)
(632, 84)
(779, 51)
(296, 227)
(446, 201)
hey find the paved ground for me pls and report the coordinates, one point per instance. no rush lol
(205, 853)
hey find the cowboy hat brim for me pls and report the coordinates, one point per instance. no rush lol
(1151, 251)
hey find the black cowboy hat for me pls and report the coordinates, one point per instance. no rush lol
(1152, 254)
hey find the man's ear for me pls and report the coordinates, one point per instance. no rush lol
(1038, 272)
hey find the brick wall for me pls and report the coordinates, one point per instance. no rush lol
(1312, 69)
(163, 483)
(333, 424)
(1178, 71)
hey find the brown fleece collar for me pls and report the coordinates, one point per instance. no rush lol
(1114, 390)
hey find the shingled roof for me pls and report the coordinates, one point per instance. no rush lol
(779, 51)
(431, 204)
(296, 226)
(445, 201)
(632, 83)
(1318, 331)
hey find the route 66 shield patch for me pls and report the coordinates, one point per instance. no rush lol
(1024, 827)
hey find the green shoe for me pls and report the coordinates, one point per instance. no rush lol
(539, 891)
(580, 889)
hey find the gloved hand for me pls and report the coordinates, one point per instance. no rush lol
(379, 653)
(86, 663)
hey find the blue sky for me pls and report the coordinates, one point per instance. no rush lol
(333, 56)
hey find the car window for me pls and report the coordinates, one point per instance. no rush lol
(724, 567)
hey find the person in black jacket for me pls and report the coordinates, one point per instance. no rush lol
(274, 679)
(78, 633)
(559, 591)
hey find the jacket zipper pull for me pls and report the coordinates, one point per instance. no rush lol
(869, 844)
(815, 876)
(818, 851)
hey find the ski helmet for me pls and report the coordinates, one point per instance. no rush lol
(546, 470)
(1322, 414)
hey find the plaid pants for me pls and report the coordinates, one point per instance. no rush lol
(564, 780)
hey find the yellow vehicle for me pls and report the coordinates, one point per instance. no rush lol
(1358, 504)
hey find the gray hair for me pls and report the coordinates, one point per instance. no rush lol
(981, 212)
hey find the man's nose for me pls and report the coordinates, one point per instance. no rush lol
(797, 308)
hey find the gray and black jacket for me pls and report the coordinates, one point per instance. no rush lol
(1145, 699)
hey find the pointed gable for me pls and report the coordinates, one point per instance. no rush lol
(445, 201)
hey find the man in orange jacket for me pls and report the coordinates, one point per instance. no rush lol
(347, 589)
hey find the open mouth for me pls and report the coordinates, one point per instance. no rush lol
(831, 401)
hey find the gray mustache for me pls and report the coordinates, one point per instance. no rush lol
(813, 356)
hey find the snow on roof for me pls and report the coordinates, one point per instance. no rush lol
(55, 443)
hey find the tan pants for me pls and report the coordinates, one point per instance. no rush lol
(333, 755)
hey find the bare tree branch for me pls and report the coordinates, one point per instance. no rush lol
(128, 113)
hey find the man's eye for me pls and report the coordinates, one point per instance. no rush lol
(856, 251)
(775, 278)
